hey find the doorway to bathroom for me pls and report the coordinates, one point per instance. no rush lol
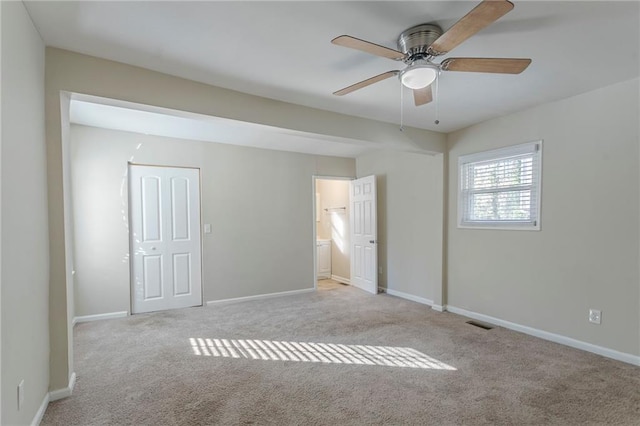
(332, 232)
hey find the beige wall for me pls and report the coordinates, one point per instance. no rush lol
(258, 202)
(410, 213)
(586, 255)
(25, 254)
(334, 224)
(73, 72)
(1, 214)
(411, 253)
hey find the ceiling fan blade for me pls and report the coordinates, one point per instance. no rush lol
(368, 47)
(422, 96)
(480, 17)
(365, 83)
(493, 65)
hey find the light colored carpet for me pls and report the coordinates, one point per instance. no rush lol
(157, 369)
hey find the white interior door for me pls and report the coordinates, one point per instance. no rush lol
(165, 238)
(364, 234)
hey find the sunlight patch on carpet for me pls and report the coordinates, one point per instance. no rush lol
(329, 353)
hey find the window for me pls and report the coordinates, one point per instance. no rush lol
(501, 188)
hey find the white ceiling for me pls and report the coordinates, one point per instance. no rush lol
(282, 50)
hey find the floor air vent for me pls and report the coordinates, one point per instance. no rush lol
(482, 325)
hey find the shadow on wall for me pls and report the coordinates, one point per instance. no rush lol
(381, 183)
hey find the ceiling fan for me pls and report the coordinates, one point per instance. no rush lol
(419, 45)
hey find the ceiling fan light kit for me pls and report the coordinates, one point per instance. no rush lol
(419, 45)
(419, 75)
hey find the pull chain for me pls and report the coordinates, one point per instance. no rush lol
(401, 108)
(438, 99)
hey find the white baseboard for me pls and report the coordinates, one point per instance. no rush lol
(557, 338)
(340, 279)
(259, 296)
(97, 317)
(439, 308)
(64, 392)
(40, 413)
(409, 297)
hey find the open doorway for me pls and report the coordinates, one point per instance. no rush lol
(332, 213)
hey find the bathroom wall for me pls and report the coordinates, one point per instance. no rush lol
(334, 223)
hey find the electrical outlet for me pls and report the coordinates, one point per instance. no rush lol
(595, 316)
(20, 394)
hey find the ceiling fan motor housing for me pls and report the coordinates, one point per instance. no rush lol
(415, 41)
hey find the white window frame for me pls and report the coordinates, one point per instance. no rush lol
(497, 154)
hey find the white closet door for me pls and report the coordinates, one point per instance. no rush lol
(165, 238)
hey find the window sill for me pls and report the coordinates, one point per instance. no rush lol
(502, 227)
